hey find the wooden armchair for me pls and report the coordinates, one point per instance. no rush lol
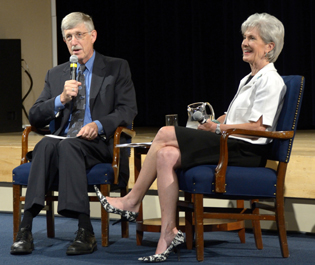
(104, 175)
(245, 183)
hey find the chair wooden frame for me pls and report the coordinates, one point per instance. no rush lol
(154, 225)
(18, 199)
(195, 212)
(200, 212)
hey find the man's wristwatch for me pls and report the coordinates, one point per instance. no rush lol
(218, 130)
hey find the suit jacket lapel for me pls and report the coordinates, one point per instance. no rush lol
(98, 76)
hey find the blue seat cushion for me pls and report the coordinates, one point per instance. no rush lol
(99, 174)
(20, 174)
(251, 182)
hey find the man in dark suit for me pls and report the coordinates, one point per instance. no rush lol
(109, 102)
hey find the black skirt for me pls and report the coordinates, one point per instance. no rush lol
(202, 147)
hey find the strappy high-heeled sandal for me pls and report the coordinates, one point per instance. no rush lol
(178, 240)
(126, 215)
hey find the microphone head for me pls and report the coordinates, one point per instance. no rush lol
(198, 116)
(74, 59)
(73, 66)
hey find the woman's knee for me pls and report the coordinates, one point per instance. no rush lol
(165, 134)
(168, 155)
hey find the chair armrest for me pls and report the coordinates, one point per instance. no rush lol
(116, 150)
(220, 170)
(25, 134)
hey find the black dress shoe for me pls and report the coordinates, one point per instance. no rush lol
(84, 243)
(23, 243)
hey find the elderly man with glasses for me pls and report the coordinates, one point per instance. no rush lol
(87, 112)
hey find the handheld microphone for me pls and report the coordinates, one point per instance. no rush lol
(199, 117)
(73, 67)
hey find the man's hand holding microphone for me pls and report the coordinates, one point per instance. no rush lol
(71, 87)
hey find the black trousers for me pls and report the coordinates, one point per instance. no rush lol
(65, 162)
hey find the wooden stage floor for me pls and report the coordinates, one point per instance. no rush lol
(300, 180)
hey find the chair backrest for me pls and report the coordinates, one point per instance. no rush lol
(289, 116)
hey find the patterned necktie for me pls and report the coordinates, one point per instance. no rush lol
(78, 110)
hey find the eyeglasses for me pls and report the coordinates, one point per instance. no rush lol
(78, 36)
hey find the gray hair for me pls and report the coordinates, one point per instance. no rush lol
(73, 19)
(270, 30)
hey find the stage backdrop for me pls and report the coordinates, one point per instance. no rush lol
(183, 51)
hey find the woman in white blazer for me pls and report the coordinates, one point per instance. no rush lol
(256, 106)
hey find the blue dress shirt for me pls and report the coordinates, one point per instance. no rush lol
(88, 78)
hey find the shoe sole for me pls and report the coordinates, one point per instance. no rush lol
(73, 252)
(21, 252)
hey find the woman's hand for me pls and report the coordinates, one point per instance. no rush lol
(208, 126)
(211, 126)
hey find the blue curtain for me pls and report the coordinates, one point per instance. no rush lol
(184, 51)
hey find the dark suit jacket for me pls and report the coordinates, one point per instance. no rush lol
(112, 100)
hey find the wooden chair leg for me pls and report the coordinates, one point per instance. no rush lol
(139, 233)
(137, 168)
(139, 236)
(189, 228)
(124, 224)
(105, 189)
(241, 233)
(280, 220)
(257, 234)
(50, 216)
(17, 190)
(198, 205)
(257, 229)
